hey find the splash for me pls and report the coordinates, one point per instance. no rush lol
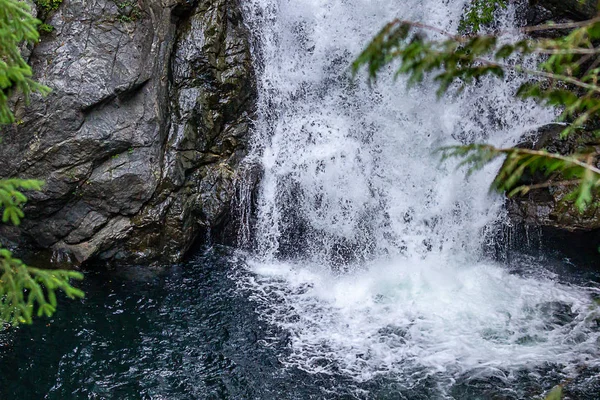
(368, 250)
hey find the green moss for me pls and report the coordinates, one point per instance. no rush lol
(45, 9)
(124, 18)
(125, 4)
(48, 5)
(129, 11)
(478, 14)
(45, 28)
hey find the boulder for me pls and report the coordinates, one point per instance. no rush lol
(579, 10)
(549, 207)
(140, 140)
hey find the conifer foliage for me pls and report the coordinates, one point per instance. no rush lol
(567, 78)
(17, 27)
(24, 291)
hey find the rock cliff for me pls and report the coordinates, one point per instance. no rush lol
(576, 9)
(140, 139)
(549, 210)
(550, 207)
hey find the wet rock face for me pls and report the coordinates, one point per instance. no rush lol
(537, 12)
(140, 140)
(575, 9)
(550, 207)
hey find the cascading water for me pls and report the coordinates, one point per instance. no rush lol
(368, 250)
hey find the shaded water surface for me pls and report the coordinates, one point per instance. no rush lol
(191, 332)
(369, 278)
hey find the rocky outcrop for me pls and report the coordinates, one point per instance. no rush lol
(537, 12)
(140, 139)
(551, 207)
(575, 9)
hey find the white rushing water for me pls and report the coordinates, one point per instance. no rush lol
(368, 250)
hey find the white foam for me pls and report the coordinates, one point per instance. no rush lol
(350, 176)
(424, 316)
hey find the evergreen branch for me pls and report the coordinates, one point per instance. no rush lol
(23, 287)
(574, 160)
(559, 77)
(553, 26)
(578, 166)
(524, 30)
(549, 184)
(27, 291)
(464, 59)
(17, 26)
(579, 51)
(24, 291)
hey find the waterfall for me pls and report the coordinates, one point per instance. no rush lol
(368, 250)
